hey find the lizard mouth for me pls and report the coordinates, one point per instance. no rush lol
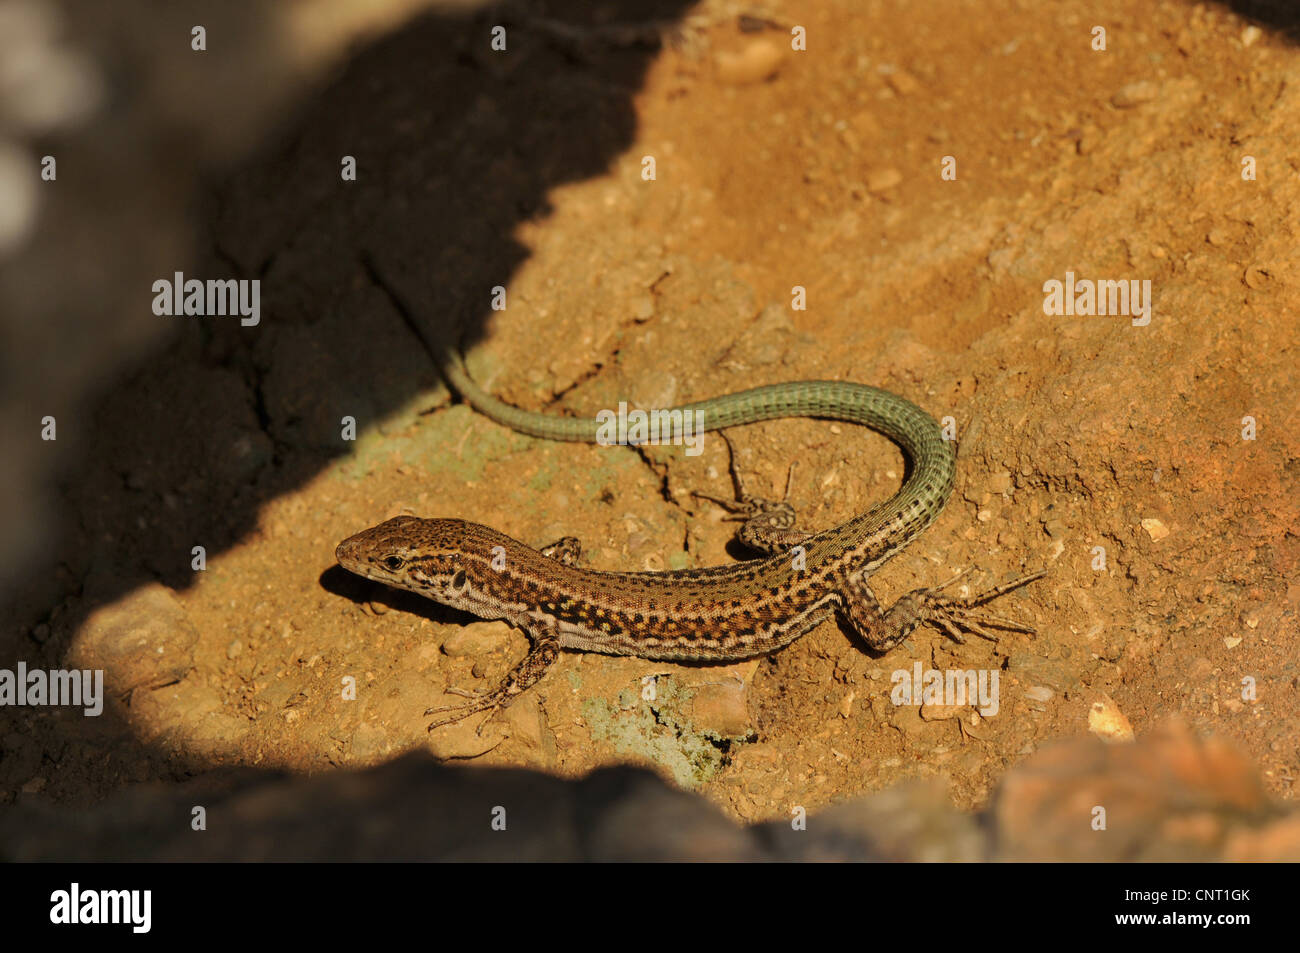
(352, 556)
(346, 554)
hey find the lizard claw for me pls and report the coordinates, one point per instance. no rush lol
(955, 614)
(478, 701)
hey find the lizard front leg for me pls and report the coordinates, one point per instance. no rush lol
(566, 549)
(768, 525)
(545, 650)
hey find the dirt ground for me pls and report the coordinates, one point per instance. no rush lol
(1152, 469)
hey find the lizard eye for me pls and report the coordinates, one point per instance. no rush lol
(393, 562)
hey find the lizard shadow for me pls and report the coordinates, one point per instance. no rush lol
(337, 581)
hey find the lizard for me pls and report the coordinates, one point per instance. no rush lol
(713, 614)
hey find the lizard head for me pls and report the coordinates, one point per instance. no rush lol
(420, 555)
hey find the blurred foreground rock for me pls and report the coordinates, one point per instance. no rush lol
(1168, 797)
(135, 120)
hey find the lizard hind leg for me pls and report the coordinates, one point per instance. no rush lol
(882, 629)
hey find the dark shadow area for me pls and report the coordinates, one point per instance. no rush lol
(1280, 15)
(455, 145)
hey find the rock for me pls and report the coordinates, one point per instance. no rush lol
(143, 641)
(1135, 94)
(758, 61)
(882, 180)
(719, 708)
(1155, 528)
(478, 639)
(1170, 797)
(1107, 722)
(902, 82)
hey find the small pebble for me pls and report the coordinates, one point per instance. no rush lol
(1107, 722)
(882, 180)
(902, 82)
(758, 61)
(1135, 94)
(1256, 277)
(1156, 529)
